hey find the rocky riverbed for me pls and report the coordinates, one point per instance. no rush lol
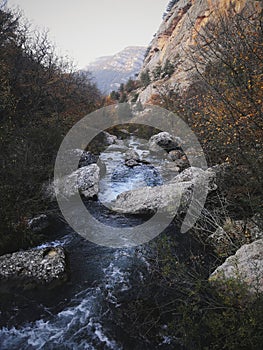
(135, 179)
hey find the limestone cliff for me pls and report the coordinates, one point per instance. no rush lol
(177, 34)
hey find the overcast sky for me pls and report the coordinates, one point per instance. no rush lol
(87, 29)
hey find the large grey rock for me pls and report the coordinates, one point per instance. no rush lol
(245, 267)
(109, 139)
(193, 174)
(84, 180)
(36, 266)
(165, 197)
(132, 158)
(172, 167)
(85, 158)
(164, 141)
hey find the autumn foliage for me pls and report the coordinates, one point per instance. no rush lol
(224, 104)
(229, 110)
(41, 97)
(227, 114)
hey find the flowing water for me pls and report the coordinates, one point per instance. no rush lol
(77, 315)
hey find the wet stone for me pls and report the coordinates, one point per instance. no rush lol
(37, 266)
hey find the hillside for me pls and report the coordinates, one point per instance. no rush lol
(110, 71)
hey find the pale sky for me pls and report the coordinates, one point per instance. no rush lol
(87, 29)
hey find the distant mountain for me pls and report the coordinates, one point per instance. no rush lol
(110, 71)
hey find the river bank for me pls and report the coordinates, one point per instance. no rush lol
(109, 288)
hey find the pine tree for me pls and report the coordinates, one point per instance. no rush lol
(157, 71)
(145, 77)
(168, 69)
(114, 95)
(121, 88)
(130, 85)
(123, 98)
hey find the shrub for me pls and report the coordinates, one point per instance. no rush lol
(41, 98)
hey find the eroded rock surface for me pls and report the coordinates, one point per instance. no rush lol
(84, 180)
(245, 267)
(176, 193)
(132, 158)
(36, 266)
(164, 141)
(176, 38)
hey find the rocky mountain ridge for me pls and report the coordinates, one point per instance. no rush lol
(110, 71)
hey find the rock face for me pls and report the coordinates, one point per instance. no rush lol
(35, 266)
(110, 71)
(149, 199)
(84, 180)
(246, 267)
(164, 141)
(176, 35)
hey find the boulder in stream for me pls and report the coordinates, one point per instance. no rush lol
(86, 158)
(109, 139)
(132, 158)
(164, 141)
(84, 180)
(149, 199)
(34, 267)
